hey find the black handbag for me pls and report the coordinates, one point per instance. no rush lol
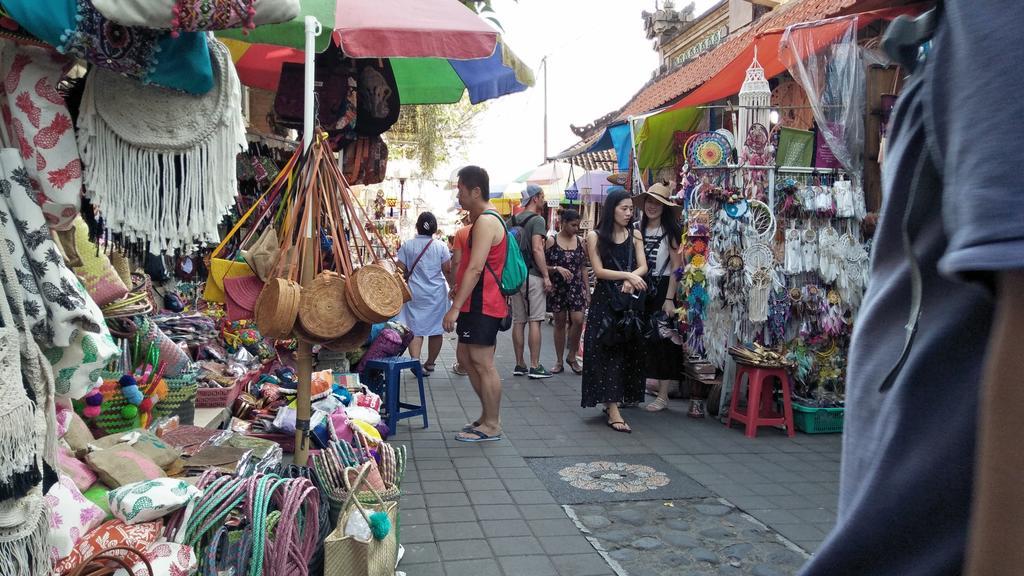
(625, 322)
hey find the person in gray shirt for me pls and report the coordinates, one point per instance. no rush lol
(931, 461)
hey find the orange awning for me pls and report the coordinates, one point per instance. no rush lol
(729, 80)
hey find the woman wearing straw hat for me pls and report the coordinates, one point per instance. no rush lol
(662, 231)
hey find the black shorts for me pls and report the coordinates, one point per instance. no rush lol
(477, 329)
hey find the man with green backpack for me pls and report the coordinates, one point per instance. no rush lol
(530, 303)
(492, 270)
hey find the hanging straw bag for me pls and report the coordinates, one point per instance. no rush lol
(324, 314)
(222, 268)
(347, 555)
(374, 292)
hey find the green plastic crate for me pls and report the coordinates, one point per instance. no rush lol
(813, 420)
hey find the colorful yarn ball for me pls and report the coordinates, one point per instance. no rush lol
(130, 411)
(130, 389)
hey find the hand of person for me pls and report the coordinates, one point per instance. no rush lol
(669, 308)
(627, 288)
(566, 275)
(547, 285)
(636, 282)
(449, 319)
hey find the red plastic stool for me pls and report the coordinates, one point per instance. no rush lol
(760, 409)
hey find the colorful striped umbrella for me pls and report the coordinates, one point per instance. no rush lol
(438, 50)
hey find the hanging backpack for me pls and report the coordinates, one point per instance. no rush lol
(513, 275)
(523, 241)
(335, 90)
(366, 160)
(379, 103)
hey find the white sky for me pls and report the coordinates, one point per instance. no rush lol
(598, 57)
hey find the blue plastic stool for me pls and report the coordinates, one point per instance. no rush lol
(391, 370)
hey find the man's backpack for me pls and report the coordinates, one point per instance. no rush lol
(513, 275)
(517, 228)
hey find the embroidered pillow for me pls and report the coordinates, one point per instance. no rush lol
(71, 517)
(43, 131)
(78, 437)
(111, 534)
(123, 465)
(97, 494)
(166, 558)
(144, 441)
(152, 499)
(76, 28)
(75, 469)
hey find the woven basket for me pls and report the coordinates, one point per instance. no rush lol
(324, 312)
(277, 308)
(355, 338)
(180, 400)
(110, 420)
(375, 295)
(217, 397)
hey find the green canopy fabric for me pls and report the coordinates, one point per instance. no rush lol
(654, 138)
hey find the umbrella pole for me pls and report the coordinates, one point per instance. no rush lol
(304, 353)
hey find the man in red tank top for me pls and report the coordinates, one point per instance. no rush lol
(478, 307)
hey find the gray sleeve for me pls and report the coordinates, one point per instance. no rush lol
(537, 227)
(976, 86)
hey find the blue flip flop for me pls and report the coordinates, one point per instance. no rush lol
(480, 436)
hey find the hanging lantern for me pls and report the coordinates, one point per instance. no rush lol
(755, 101)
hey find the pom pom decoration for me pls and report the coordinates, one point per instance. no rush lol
(94, 399)
(130, 411)
(91, 411)
(380, 525)
(130, 389)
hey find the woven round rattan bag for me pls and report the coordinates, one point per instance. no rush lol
(277, 308)
(374, 294)
(324, 311)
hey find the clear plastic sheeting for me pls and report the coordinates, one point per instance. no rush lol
(825, 59)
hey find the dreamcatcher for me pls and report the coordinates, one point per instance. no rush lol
(707, 150)
(794, 252)
(757, 151)
(809, 247)
(830, 257)
(759, 260)
(853, 276)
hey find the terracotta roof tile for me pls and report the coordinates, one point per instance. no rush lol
(676, 83)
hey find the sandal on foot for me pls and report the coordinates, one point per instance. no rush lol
(558, 369)
(576, 367)
(429, 368)
(469, 427)
(480, 436)
(620, 426)
(657, 405)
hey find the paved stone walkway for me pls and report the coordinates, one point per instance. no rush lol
(480, 509)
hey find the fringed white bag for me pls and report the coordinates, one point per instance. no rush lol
(160, 164)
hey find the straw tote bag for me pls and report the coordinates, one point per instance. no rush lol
(223, 268)
(352, 557)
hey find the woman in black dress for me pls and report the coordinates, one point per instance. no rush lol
(567, 263)
(662, 231)
(613, 375)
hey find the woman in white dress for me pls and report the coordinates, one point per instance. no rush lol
(426, 262)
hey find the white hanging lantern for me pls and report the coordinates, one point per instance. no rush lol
(755, 101)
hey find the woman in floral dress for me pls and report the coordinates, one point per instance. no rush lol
(567, 264)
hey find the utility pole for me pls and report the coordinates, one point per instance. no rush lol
(544, 63)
